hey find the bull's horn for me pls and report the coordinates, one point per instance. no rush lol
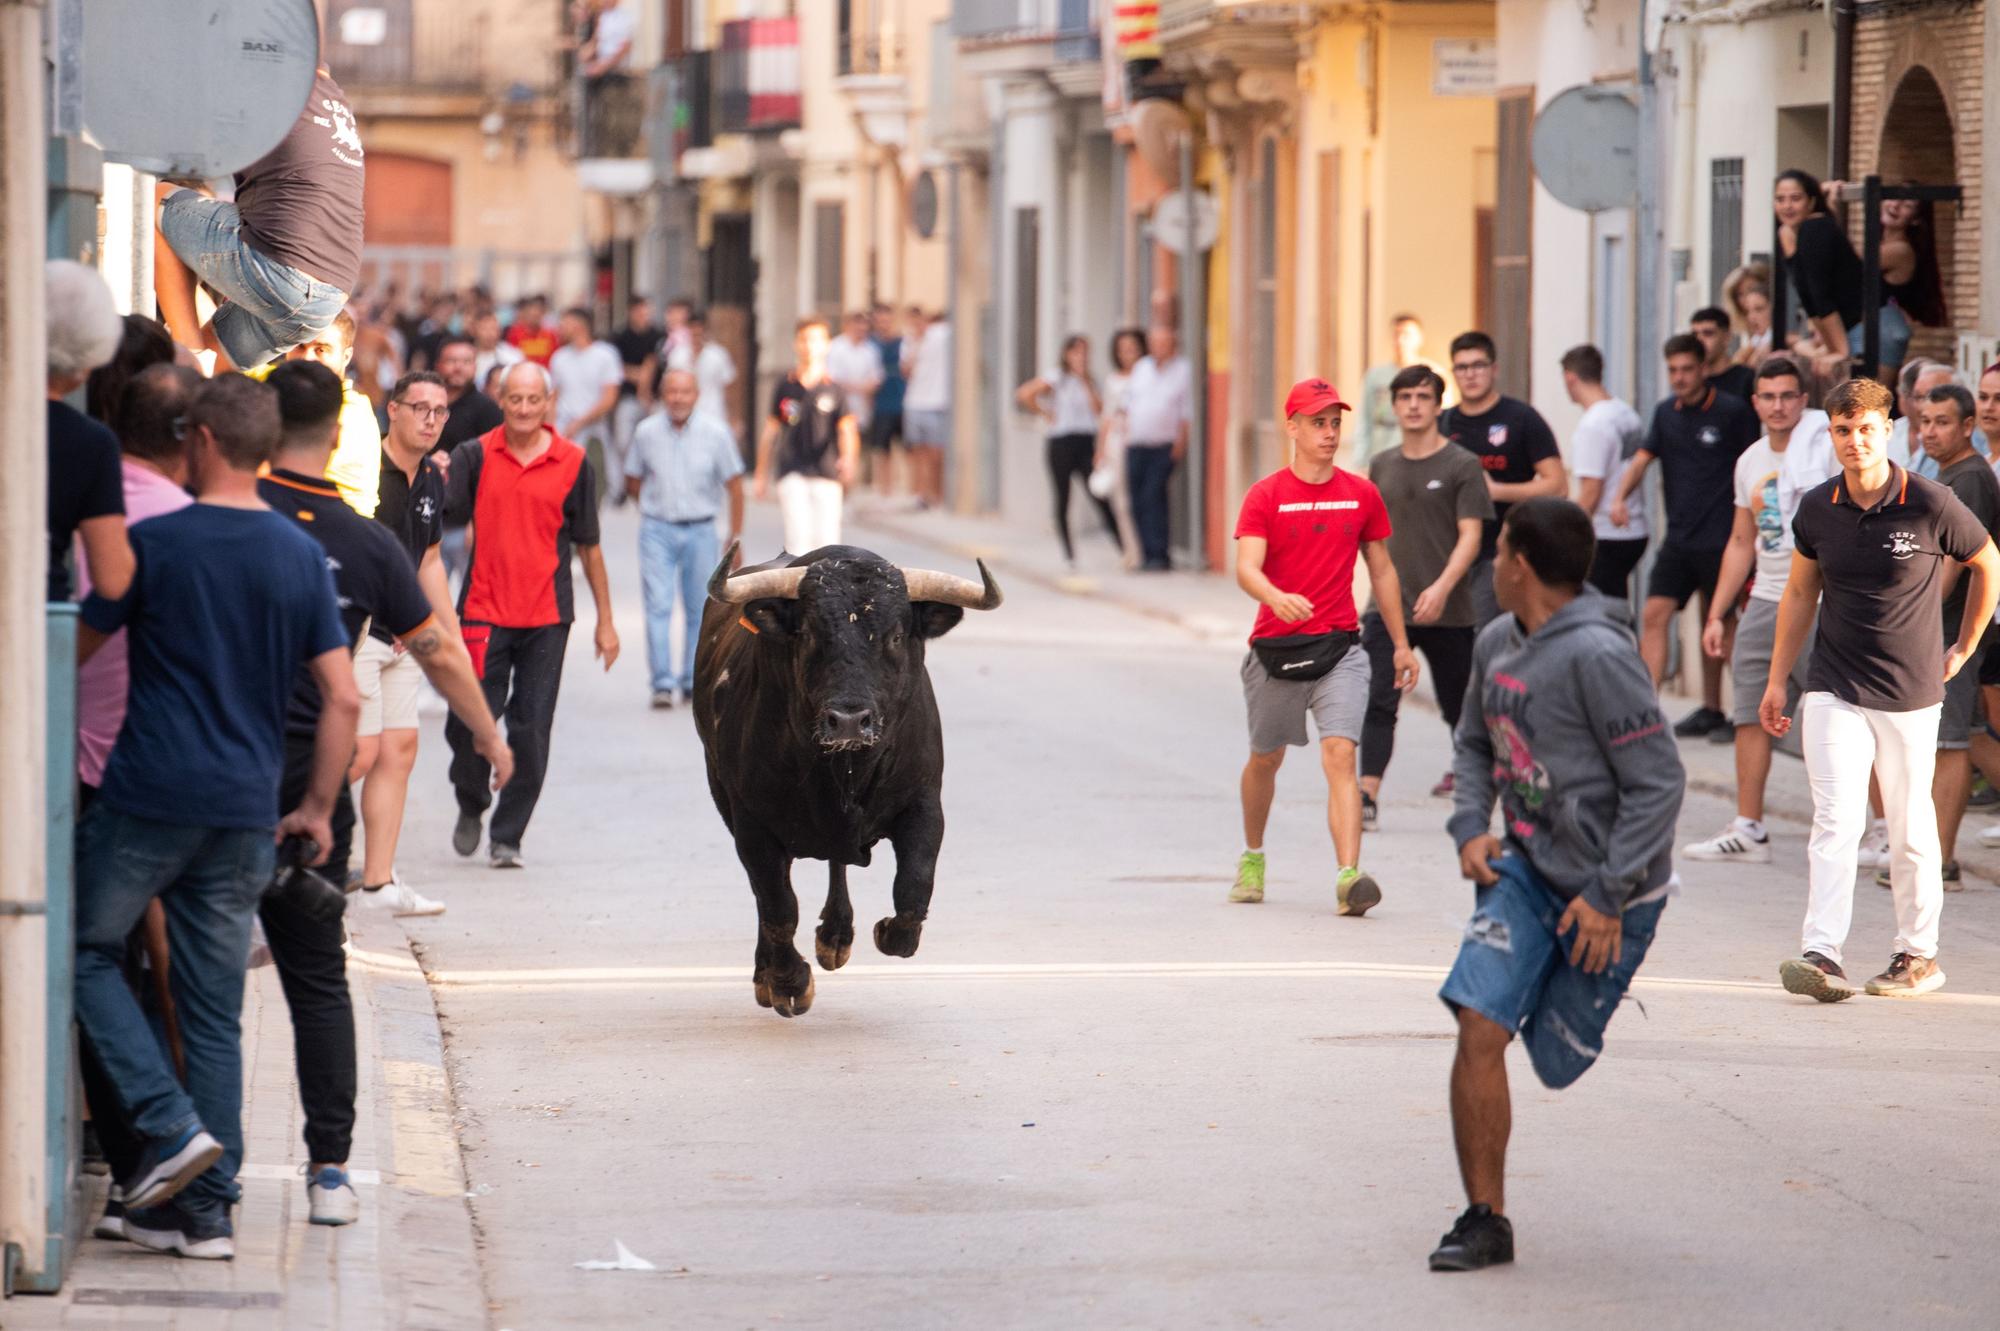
(769, 584)
(925, 585)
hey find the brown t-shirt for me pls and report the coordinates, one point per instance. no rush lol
(301, 202)
(1426, 498)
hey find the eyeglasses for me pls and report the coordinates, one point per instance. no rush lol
(1470, 366)
(1780, 399)
(422, 413)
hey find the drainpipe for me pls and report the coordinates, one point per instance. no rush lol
(1840, 149)
(24, 1061)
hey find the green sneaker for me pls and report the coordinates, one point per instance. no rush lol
(1356, 892)
(1249, 878)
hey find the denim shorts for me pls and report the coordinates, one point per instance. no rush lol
(1895, 326)
(1514, 971)
(271, 307)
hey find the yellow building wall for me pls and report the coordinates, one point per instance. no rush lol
(1409, 163)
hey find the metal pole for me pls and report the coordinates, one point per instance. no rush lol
(955, 282)
(1871, 276)
(1646, 245)
(25, 1063)
(1193, 351)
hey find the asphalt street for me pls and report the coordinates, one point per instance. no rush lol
(1101, 1096)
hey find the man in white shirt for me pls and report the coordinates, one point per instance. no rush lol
(714, 370)
(1794, 455)
(854, 363)
(609, 50)
(489, 350)
(1605, 440)
(587, 375)
(1158, 414)
(926, 402)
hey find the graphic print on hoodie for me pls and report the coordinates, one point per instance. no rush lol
(1569, 740)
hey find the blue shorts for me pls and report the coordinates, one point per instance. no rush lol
(1514, 971)
(271, 307)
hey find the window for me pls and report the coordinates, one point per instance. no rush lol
(829, 250)
(1725, 221)
(1027, 287)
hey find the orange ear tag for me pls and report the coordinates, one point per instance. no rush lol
(744, 620)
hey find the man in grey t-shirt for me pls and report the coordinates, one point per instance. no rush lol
(1438, 506)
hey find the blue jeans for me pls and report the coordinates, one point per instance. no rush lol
(1895, 326)
(272, 307)
(674, 558)
(209, 879)
(1148, 468)
(1514, 970)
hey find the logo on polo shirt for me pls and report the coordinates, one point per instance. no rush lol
(1496, 436)
(425, 508)
(1709, 437)
(1902, 544)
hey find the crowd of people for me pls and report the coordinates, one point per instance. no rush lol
(1840, 543)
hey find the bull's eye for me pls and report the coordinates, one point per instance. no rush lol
(896, 641)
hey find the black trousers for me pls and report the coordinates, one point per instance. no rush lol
(1070, 458)
(312, 969)
(522, 675)
(1448, 656)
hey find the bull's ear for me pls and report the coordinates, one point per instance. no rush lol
(934, 619)
(777, 617)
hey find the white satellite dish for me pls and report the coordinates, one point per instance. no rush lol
(197, 88)
(1586, 148)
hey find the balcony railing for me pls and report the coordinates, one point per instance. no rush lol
(614, 116)
(987, 19)
(395, 45)
(756, 76)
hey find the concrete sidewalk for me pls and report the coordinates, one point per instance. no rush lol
(411, 1261)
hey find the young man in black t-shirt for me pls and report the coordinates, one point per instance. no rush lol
(810, 444)
(1711, 325)
(376, 586)
(1871, 547)
(1513, 444)
(1697, 434)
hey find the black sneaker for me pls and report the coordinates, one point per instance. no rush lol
(1369, 813)
(1478, 1239)
(1700, 722)
(183, 1231)
(465, 836)
(166, 1165)
(1816, 976)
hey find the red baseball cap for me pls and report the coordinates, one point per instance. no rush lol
(1309, 397)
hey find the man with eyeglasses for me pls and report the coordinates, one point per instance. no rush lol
(391, 682)
(1794, 455)
(1513, 444)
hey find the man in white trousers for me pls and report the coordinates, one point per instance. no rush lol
(1869, 547)
(810, 444)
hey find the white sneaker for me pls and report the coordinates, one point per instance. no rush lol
(1990, 836)
(1874, 853)
(331, 1192)
(1732, 845)
(399, 898)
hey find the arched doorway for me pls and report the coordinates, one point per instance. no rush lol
(1917, 147)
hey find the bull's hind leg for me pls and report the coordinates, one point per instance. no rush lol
(834, 938)
(917, 836)
(784, 983)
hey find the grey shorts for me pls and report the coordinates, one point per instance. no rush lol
(1278, 708)
(1961, 699)
(926, 429)
(1750, 662)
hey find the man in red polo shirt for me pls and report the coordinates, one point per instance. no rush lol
(531, 498)
(1297, 539)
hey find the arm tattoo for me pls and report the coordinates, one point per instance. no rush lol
(424, 643)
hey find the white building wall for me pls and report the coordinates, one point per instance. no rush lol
(1030, 116)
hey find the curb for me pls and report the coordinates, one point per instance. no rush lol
(431, 1276)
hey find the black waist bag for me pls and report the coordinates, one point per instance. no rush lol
(1303, 655)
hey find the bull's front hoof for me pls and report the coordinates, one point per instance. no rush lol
(787, 999)
(832, 946)
(897, 935)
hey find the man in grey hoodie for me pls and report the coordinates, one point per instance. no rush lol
(1567, 734)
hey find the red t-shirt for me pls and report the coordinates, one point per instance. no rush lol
(537, 344)
(1314, 533)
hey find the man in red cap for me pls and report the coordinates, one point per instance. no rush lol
(1297, 539)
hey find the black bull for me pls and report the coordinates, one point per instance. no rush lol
(815, 711)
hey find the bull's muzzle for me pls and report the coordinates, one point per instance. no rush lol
(844, 728)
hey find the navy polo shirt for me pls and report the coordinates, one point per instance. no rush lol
(1880, 643)
(1697, 447)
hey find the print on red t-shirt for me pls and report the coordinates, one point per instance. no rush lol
(1313, 534)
